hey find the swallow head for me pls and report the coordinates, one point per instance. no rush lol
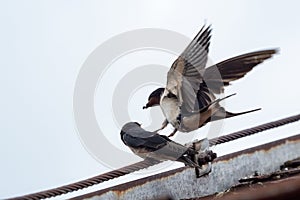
(154, 98)
(129, 126)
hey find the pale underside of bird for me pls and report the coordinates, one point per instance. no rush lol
(188, 101)
(148, 144)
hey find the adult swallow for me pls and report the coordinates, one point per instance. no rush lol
(148, 144)
(188, 101)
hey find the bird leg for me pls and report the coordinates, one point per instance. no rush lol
(173, 133)
(163, 125)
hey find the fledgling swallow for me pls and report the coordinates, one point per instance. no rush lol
(148, 144)
(188, 101)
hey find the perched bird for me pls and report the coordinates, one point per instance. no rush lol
(188, 101)
(152, 145)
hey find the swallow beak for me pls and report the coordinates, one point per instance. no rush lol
(146, 106)
(153, 101)
(138, 124)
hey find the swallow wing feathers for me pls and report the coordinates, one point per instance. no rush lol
(195, 54)
(156, 146)
(185, 76)
(221, 74)
(147, 140)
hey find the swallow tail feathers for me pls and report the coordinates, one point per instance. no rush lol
(222, 114)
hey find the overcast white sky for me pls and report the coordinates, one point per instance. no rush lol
(45, 43)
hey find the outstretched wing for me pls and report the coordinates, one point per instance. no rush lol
(184, 77)
(221, 74)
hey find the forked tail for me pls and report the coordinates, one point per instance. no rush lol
(222, 114)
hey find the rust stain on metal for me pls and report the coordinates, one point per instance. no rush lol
(291, 163)
(267, 177)
(287, 188)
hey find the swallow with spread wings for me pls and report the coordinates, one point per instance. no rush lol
(188, 101)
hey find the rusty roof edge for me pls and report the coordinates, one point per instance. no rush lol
(134, 183)
(266, 147)
(282, 188)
